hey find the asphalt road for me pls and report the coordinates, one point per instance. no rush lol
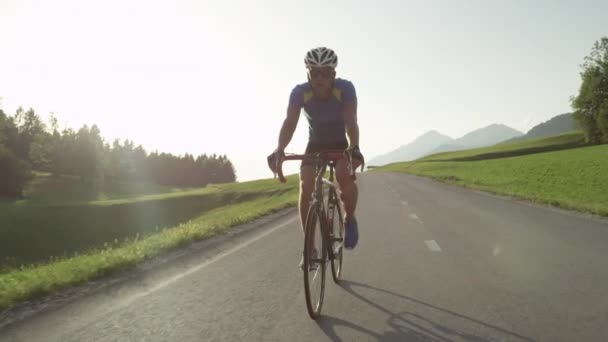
(434, 263)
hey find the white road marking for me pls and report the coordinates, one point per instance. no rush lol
(433, 245)
(197, 268)
(404, 203)
(415, 218)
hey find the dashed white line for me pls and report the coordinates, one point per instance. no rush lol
(433, 245)
(415, 218)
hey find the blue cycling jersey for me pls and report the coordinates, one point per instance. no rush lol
(325, 118)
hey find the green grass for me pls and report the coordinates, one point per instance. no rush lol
(574, 178)
(540, 145)
(35, 230)
(45, 189)
(258, 198)
(29, 282)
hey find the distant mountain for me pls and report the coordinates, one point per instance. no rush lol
(435, 142)
(447, 148)
(557, 125)
(416, 149)
(486, 136)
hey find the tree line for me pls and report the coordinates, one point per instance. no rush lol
(591, 102)
(27, 143)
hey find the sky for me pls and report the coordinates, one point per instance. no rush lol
(197, 76)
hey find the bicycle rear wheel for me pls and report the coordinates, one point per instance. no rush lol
(314, 262)
(336, 231)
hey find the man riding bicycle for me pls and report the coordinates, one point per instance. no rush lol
(330, 106)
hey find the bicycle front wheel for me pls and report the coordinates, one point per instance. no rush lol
(314, 262)
(336, 231)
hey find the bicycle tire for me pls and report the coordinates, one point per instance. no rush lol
(313, 222)
(337, 232)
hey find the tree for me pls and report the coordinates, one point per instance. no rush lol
(89, 149)
(55, 147)
(8, 132)
(64, 152)
(14, 174)
(41, 150)
(140, 163)
(4, 122)
(591, 103)
(27, 143)
(228, 170)
(29, 125)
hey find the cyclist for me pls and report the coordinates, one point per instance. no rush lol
(330, 106)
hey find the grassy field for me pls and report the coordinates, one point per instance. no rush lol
(44, 190)
(41, 227)
(524, 147)
(573, 178)
(57, 245)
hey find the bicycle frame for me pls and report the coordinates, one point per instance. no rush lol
(321, 167)
(322, 160)
(321, 212)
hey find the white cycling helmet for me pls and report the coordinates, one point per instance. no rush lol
(321, 57)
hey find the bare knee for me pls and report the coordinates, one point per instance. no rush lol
(306, 182)
(306, 188)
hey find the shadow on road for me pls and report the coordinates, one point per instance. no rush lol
(411, 326)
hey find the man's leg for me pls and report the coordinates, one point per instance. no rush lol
(348, 188)
(306, 188)
(350, 194)
(307, 180)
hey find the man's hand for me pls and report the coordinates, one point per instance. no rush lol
(357, 157)
(274, 159)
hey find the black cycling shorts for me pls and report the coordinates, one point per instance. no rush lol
(315, 148)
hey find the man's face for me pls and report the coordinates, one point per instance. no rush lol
(321, 79)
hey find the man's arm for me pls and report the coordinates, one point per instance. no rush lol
(350, 122)
(289, 126)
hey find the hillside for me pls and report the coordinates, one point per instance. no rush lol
(559, 124)
(415, 149)
(514, 148)
(560, 170)
(434, 142)
(486, 136)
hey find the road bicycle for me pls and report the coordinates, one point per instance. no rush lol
(324, 232)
